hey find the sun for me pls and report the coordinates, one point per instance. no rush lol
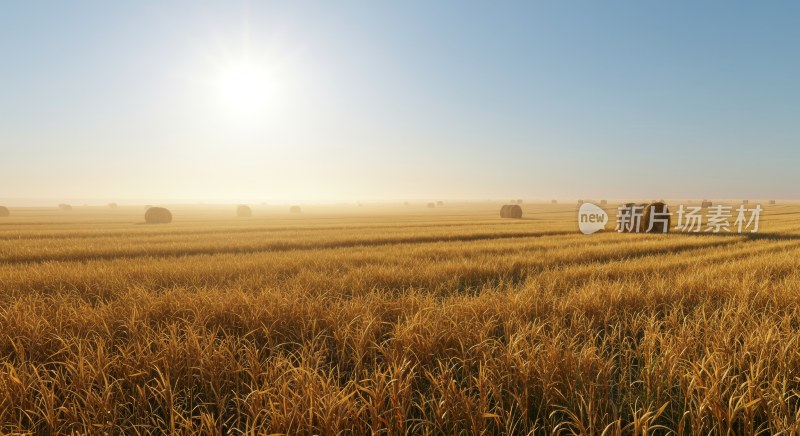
(244, 90)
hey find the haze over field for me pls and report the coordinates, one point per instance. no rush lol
(400, 218)
(327, 102)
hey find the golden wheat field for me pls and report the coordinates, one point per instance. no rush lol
(393, 320)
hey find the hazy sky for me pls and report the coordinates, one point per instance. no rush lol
(345, 101)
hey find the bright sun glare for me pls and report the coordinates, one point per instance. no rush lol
(244, 91)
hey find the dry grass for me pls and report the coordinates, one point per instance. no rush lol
(394, 321)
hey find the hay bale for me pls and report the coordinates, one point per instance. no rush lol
(745, 201)
(603, 202)
(658, 227)
(580, 202)
(706, 204)
(504, 211)
(431, 205)
(64, 206)
(553, 201)
(519, 201)
(405, 203)
(112, 205)
(439, 203)
(4, 212)
(244, 211)
(511, 211)
(772, 202)
(158, 215)
(295, 209)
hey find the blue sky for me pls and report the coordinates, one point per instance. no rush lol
(372, 100)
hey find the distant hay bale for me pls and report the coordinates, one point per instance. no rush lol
(64, 206)
(431, 205)
(158, 215)
(553, 201)
(658, 227)
(745, 201)
(295, 209)
(511, 211)
(112, 205)
(244, 211)
(580, 202)
(439, 203)
(519, 201)
(405, 203)
(706, 204)
(603, 202)
(772, 202)
(4, 212)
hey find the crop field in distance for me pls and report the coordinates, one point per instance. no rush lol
(393, 319)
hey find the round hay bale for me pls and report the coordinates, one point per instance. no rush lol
(295, 209)
(439, 203)
(603, 202)
(553, 201)
(658, 227)
(511, 211)
(244, 211)
(112, 205)
(158, 215)
(519, 201)
(772, 202)
(4, 212)
(431, 205)
(64, 206)
(745, 201)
